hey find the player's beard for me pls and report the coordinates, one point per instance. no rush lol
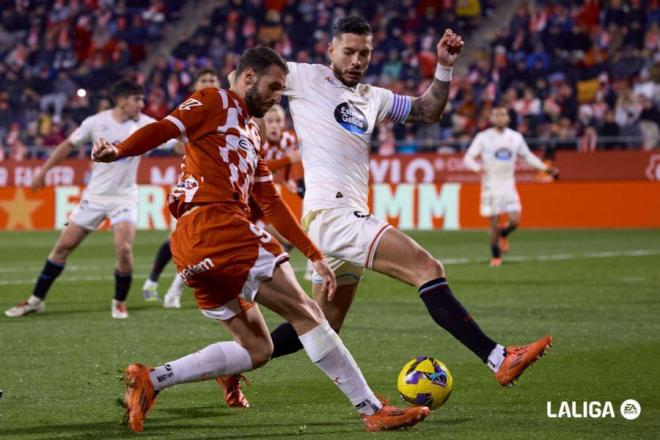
(255, 103)
(344, 79)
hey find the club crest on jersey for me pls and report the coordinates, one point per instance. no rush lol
(189, 103)
(351, 118)
(503, 154)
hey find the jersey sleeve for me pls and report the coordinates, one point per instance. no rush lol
(83, 134)
(391, 105)
(531, 159)
(474, 151)
(297, 79)
(279, 214)
(196, 116)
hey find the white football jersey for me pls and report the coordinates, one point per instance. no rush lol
(499, 151)
(334, 124)
(114, 181)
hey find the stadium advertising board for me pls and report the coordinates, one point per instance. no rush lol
(414, 168)
(617, 204)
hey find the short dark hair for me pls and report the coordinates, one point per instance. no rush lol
(351, 24)
(260, 58)
(205, 71)
(125, 88)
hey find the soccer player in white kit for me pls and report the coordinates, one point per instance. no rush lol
(499, 148)
(334, 116)
(112, 192)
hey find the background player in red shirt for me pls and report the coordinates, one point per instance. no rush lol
(230, 262)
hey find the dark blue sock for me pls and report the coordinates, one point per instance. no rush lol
(504, 232)
(285, 340)
(122, 284)
(46, 277)
(450, 314)
(495, 250)
(163, 257)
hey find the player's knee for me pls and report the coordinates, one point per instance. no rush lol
(261, 354)
(430, 269)
(124, 253)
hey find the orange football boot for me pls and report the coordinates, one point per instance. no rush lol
(495, 262)
(519, 357)
(391, 417)
(140, 395)
(232, 388)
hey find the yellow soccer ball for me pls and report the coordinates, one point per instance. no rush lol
(425, 381)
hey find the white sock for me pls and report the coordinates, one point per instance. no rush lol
(176, 288)
(219, 359)
(34, 300)
(328, 352)
(495, 358)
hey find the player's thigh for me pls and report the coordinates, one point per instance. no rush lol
(70, 237)
(401, 257)
(514, 217)
(283, 295)
(249, 329)
(124, 234)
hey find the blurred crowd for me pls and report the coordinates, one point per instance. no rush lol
(577, 75)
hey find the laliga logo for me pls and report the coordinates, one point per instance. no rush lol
(630, 409)
(653, 170)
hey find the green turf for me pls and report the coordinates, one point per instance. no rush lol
(60, 371)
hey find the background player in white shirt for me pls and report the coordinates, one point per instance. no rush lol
(172, 300)
(112, 192)
(334, 117)
(499, 148)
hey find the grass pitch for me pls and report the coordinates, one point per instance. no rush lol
(596, 292)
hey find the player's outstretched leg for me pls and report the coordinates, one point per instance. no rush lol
(283, 295)
(150, 286)
(399, 256)
(69, 239)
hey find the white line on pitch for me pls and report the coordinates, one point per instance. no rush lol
(450, 261)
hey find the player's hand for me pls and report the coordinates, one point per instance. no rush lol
(294, 156)
(104, 151)
(329, 281)
(292, 186)
(554, 172)
(449, 48)
(39, 180)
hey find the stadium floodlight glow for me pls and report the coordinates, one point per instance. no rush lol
(81, 93)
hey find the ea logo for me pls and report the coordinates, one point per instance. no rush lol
(630, 409)
(351, 118)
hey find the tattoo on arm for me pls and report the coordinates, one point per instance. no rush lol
(429, 107)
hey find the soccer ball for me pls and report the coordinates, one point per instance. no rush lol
(425, 381)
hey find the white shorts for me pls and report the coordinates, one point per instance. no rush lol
(501, 202)
(348, 238)
(89, 215)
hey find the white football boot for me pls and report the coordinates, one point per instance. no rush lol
(119, 310)
(31, 305)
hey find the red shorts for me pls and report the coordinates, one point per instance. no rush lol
(223, 256)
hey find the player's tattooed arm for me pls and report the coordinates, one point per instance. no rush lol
(429, 107)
